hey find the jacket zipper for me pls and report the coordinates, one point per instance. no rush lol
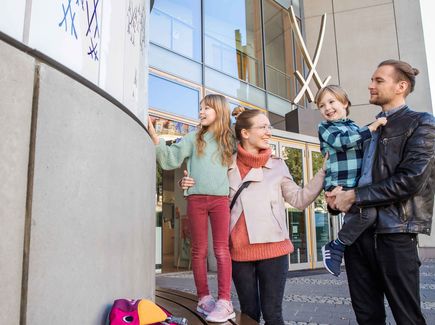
(376, 241)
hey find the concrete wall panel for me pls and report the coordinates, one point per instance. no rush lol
(93, 218)
(343, 5)
(364, 114)
(365, 37)
(327, 65)
(16, 86)
(411, 49)
(316, 8)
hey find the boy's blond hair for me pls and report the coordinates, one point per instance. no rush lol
(337, 92)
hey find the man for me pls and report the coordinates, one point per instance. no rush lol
(398, 178)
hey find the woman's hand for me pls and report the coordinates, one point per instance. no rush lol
(325, 161)
(186, 181)
(152, 132)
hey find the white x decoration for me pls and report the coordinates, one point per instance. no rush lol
(311, 64)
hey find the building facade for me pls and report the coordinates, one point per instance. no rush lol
(250, 52)
(79, 179)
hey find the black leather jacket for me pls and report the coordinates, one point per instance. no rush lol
(403, 174)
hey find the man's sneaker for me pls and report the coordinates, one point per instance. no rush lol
(206, 304)
(222, 312)
(332, 256)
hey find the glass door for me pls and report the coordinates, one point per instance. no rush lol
(321, 227)
(298, 222)
(172, 236)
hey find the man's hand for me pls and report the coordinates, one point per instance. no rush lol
(330, 200)
(186, 181)
(344, 200)
(325, 161)
(330, 197)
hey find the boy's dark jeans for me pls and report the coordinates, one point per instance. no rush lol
(356, 221)
(260, 288)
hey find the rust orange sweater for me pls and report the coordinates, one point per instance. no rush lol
(241, 249)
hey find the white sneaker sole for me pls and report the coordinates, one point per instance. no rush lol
(221, 320)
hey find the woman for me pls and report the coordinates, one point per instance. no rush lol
(259, 238)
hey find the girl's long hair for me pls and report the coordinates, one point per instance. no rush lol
(222, 131)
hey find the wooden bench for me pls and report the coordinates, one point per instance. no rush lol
(182, 304)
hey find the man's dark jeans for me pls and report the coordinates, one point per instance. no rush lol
(384, 264)
(260, 288)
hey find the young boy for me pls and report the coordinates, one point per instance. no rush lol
(343, 139)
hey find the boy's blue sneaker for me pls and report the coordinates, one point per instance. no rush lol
(332, 256)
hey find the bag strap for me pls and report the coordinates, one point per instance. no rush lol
(241, 188)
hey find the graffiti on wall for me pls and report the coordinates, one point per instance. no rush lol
(89, 10)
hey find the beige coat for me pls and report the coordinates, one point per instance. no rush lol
(263, 200)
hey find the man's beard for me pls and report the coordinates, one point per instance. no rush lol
(378, 101)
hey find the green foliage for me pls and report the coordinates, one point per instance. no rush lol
(293, 160)
(317, 161)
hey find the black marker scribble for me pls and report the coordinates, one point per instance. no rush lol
(93, 20)
(93, 50)
(136, 24)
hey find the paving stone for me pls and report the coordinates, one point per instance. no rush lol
(316, 299)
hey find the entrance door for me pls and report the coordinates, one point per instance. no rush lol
(293, 155)
(321, 226)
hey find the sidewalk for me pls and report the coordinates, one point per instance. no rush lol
(311, 298)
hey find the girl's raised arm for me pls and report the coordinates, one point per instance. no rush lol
(152, 132)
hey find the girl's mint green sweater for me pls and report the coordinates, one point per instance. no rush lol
(207, 170)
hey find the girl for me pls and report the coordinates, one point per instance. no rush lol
(208, 152)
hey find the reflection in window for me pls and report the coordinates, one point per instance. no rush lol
(171, 97)
(273, 148)
(279, 54)
(233, 38)
(298, 235)
(294, 162)
(176, 25)
(293, 158)
(170, 129)
(320, 211)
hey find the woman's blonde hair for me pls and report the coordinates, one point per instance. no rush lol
(337, 92)
(221, 128)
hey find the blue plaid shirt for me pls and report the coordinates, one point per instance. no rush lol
(343, 140)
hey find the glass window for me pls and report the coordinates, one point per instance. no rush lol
(176, 25)
(174, 64)
(279, 53)
(299, 62)
(233, 87)
(293, 158)
(233, 38)
(320, 210)
(172, 97)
